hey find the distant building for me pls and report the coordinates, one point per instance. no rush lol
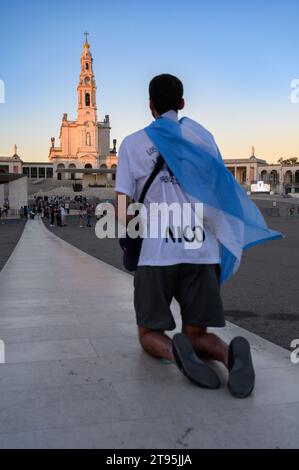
(12, 164)
(245, 170)
(283, 179)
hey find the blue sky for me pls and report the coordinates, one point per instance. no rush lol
(236, 59)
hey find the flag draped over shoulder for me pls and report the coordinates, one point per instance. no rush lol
(200, 171)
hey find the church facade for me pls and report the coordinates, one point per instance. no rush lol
(85, 142)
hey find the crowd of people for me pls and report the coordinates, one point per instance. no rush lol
(57, 208)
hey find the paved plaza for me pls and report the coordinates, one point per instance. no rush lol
(75, 376)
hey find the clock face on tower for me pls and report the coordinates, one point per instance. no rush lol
(87, 80)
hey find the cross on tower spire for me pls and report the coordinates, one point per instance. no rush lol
(86, 37)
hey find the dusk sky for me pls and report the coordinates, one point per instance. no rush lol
(236, 58)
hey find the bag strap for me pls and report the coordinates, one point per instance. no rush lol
(158, 167)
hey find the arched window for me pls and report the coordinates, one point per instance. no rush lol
(87, 99)
(264, 176)
(87, 66)
(4, 169)
(288, 177)
(88, 139)
(88, 166)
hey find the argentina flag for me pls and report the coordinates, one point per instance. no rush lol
(199, 169)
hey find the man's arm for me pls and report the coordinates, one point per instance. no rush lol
(122, 202)
(125, 185)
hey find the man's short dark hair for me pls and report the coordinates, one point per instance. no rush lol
(166, 93)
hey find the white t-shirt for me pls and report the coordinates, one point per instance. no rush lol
(137, 159)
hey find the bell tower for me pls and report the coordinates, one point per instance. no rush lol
(87, 89)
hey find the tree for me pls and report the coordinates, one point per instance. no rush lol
(288, 161)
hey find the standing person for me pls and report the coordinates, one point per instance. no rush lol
(67, 207)
(81, 217)
(39, 210)
(1, 215)
(63, 216)
(88, 216)
(46, 211)
(58, 216)
(169, 266)
(52, 215)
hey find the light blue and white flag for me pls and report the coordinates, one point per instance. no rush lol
(233, 217)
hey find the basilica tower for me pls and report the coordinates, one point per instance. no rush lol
(87, 89)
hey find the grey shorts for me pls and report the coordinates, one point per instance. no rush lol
(195, 287)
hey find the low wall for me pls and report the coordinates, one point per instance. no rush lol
(278, 208)
(18, 194)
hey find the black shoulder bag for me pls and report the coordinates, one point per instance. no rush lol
(132, 246)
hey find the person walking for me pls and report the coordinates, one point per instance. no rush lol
(178, 161)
